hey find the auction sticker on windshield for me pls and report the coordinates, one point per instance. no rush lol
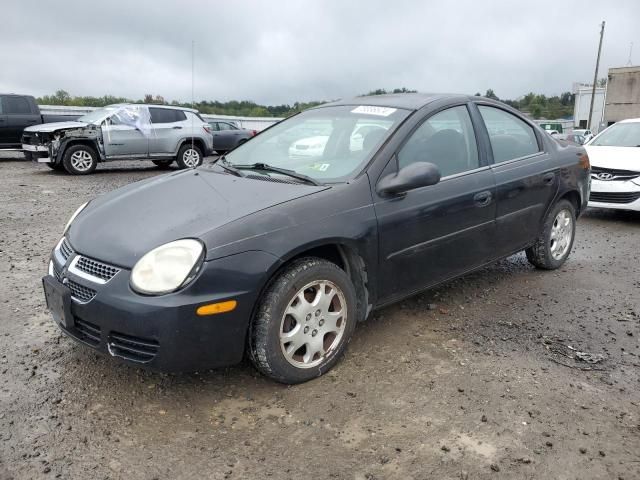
(370, 110)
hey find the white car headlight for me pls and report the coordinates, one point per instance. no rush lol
(167, 267)
(73, 217)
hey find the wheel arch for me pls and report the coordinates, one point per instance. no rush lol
(574, 197)
(77, 141)
(199, 142)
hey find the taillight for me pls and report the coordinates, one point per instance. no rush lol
(584, 161)
(206, 128)
(254, 133)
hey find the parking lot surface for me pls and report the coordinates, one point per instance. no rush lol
(510, 372)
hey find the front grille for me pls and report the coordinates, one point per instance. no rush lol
(132, 348)
(80, 292)
(56, 273)
(96, 268)
(614, 197)
(87, 331)
(615, 174)
(65, 249)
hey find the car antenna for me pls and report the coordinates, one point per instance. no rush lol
(193, 46)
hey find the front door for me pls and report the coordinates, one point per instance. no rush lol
(126, 133)
(433, 233)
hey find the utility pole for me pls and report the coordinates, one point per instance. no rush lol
(595, 78)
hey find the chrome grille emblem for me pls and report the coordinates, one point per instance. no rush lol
(604, 176)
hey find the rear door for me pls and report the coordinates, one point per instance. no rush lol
(18, 113)
(433, 233)
(526, 182)
(167, 127)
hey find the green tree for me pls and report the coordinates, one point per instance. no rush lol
(490, 94)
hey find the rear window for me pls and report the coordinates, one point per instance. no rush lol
(166, 115)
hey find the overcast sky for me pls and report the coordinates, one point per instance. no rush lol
(276, 52)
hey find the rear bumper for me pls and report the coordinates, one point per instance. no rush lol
(164, 332)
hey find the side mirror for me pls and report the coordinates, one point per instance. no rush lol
(415, 175)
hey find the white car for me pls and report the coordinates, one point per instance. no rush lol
(585, 133)
(615, 166)
(314, 146)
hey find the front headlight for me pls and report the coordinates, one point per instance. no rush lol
(73, 217)
(168, 267)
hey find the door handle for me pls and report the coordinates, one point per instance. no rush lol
(177, 127)
(482, 199)
(548, 178)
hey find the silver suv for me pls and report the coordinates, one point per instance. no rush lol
(158, 133)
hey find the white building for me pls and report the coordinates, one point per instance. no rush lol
(583, 103)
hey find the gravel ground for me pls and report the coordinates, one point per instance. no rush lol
(477, 379)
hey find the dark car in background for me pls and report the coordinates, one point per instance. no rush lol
(227, 136)
(18, 112)
(279, 256)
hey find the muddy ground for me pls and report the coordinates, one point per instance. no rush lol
(476, 379)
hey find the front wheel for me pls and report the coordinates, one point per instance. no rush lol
(80, 160)
(304, 321)
(554, 244)
(189, 156)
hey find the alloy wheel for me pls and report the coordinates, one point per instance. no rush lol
(313, 324)
(561, 234)
(81, 160)
(191, 157)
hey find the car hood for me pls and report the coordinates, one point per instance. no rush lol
(121, 226)
(51, 127)
(619, 158)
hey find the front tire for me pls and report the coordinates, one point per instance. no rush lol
(80, 160)
(553, 246)
(189, 156)
(304, 321)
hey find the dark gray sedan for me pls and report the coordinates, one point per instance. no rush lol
(227, 136)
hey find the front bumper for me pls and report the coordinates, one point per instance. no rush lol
(615, 194)
(163, 332)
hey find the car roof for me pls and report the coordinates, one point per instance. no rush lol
(154, 105)
(409, 101)
(629, 120)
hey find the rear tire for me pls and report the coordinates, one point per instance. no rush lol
(189, 156)
(553, 246)
(80, 160)
(162, 164)
(304, 321)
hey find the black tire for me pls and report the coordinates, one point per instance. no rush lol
(162, 164)
(77, 153)
(28, 156)
(264, 346)
(55, 166)
(185, 159)
(541, 254)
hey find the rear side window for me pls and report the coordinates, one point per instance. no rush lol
(447, 140)
(166, 115)
(16, 105)
(510, 136)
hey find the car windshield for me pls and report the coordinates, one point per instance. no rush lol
(328, 144)
(619, 135)
(98, 115)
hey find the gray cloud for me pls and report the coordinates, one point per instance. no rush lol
(281, 52)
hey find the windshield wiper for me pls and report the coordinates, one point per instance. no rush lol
(284, 171)
(228, 167)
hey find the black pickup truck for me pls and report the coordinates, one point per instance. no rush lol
(18, 112)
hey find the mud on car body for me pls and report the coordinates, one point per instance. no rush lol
(278, 257)
(125, 131)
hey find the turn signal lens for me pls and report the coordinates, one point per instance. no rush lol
(215, 308)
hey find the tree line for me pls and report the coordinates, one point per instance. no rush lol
(536, 105)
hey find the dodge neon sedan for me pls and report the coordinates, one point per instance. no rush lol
(279, 257)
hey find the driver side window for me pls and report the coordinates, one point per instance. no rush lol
(445, 139)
